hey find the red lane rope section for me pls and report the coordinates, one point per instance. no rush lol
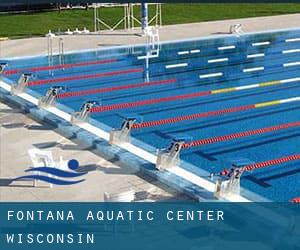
(191, 117)
(110, 89)
(65, 66)
(71, 78)
(148, 102)
(240, 134)
(296, 200)
(271, 162)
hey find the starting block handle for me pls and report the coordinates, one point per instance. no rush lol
(3, 65)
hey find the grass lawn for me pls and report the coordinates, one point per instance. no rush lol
(25, 25)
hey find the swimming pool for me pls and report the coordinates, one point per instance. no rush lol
(232, 99)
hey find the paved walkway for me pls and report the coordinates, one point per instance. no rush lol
(18, 133)
(35, 46)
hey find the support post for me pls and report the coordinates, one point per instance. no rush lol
(144, 16)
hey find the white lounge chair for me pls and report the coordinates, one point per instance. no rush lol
(43, 158)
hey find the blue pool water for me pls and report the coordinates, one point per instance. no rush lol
(237, 61)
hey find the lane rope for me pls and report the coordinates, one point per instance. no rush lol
(80, 77)
(188, 96)
(269, 163)
(296, 200)
(240, 135)
(65, 66)
(111, 89)
(211, 113)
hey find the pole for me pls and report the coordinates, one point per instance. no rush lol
(144, 9)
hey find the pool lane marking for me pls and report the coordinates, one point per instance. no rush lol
(116, 88)
(292, 40)
(186, 52)
(80, 77)
(291, 64)
(256, 55)
(225, 59)
(210, 75)
(261, 43)
(226, 47)
(290, 51)
(65, 66)
(253, 69)
(272, 162)
(147, 56)
(176, 119)
(194, 51)
(187, 96)
(238, 135)
(150, 157)
(178, 65)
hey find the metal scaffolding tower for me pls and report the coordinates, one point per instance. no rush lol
(129, 20)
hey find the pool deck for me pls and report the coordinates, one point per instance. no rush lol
(18, 133)
(106, 176)
(37, 46)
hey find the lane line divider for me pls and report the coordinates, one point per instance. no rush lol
(65, 66)
(116, 88)
(160, 122)
(234, 136)
(187, 96)
(80, 77)
(296, 200)
(272, 162)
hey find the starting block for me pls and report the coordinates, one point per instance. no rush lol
(3, 65)
(170, 157)
(122, 135)
(22, 84)
(236, 29)
(50, 97)
(231, 185)
(84, 113)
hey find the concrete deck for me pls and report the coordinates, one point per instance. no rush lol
(36, 46)
(18, 132)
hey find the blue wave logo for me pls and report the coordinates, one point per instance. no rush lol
(62, 174)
